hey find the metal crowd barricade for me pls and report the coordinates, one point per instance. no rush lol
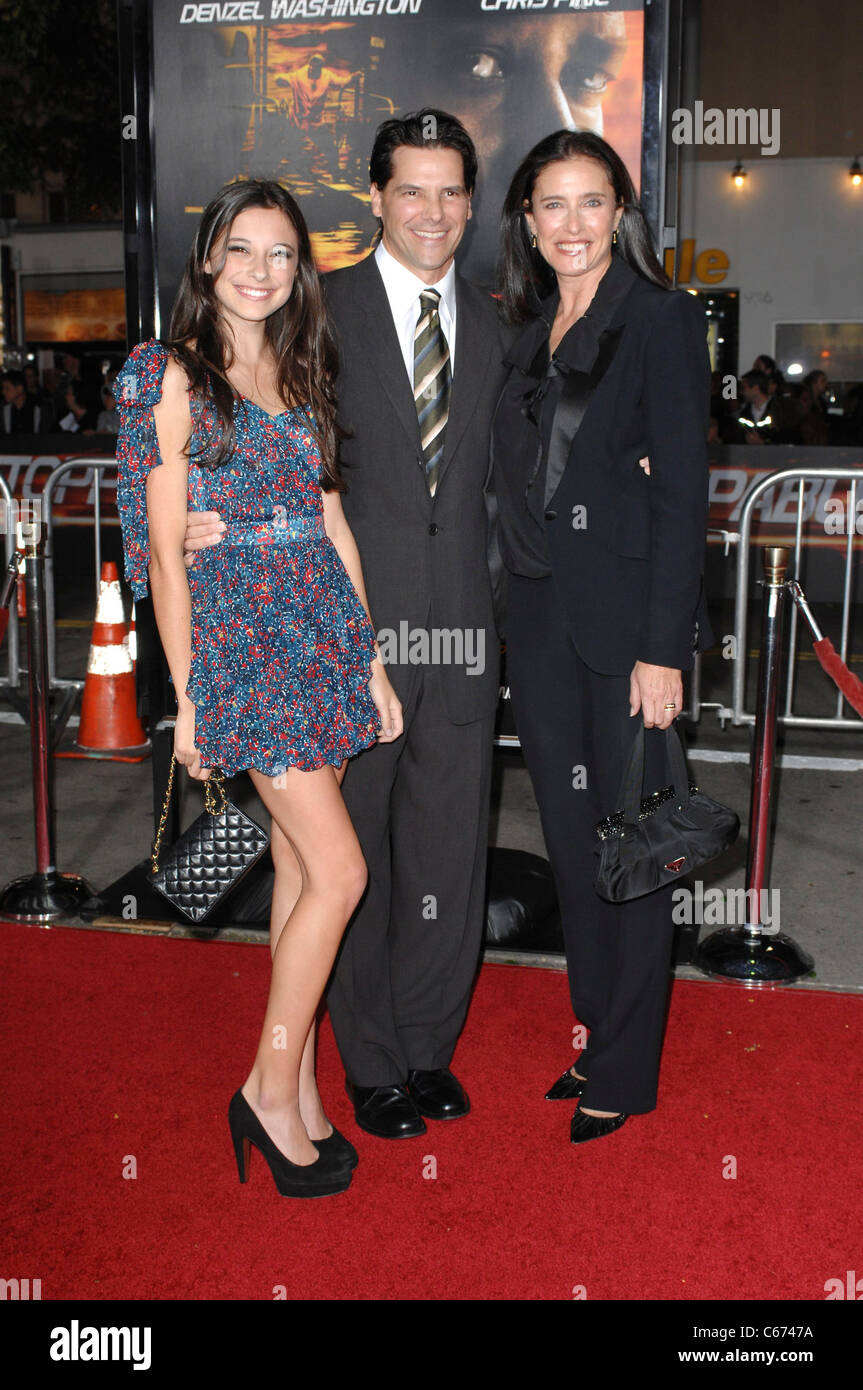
(98, 463)
(693, 703)
(741, 540)
(854, 478)
(11, 681)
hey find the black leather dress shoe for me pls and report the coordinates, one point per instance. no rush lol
(584, 1127)
(567, 1087)
(437, 1094)
(386, 1111)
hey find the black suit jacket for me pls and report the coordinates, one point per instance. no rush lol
(626, 550)
(425, 560)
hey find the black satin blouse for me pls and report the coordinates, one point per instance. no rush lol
(524, 418)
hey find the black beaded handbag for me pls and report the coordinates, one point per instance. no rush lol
(209, 858)
(656, 839)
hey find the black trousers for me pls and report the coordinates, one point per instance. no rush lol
(399, 992)
(576, 732)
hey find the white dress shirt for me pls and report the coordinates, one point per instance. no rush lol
(403, 292)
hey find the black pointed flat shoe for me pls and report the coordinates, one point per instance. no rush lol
(584, 1127)
(567, 1087)
(338, 1146)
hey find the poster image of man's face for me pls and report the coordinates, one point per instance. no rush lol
(511, 80)
(531, 74)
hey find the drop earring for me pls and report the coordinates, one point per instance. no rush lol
(614, 237)
(533, 241)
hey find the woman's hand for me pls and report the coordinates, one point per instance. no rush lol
(184, 744)
(651, 688)
(645, 464)
(387, 703)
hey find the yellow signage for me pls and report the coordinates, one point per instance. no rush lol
(710, 267)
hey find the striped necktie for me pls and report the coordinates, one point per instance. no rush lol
(432, 384)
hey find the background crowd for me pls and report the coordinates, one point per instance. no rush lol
(769, 410)
(766, 409)
(64, 400)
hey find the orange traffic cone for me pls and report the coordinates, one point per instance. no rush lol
(109, 726)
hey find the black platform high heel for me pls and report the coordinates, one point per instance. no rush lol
(327, 1175)
(336, 1145)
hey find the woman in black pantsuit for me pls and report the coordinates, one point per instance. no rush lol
(599, 497)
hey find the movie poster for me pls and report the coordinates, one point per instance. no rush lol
(294, 89)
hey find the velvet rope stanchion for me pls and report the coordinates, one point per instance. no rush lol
(45, 895)
(754, 954)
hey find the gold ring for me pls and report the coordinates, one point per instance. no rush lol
(669, 707)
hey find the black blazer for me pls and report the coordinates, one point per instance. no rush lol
(627, 550)
(424, 559)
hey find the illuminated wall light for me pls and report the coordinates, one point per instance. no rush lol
(855, 173)
(738, 175)
(795, 369)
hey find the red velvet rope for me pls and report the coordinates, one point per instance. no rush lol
(850, 685)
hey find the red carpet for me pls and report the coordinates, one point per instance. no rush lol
(119, 1045)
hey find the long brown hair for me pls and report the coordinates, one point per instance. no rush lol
(299, 334)
(525, 277)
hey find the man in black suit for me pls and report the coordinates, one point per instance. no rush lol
(400, 989)
(418, 384)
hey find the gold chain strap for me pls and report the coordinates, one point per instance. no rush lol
(213, 784)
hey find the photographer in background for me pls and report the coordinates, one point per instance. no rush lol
(756, 422)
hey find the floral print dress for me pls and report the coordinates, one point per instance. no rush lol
(281, 645)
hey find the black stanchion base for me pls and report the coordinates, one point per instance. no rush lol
(43, 897)
(757, 960)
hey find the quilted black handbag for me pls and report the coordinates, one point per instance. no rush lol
(655, 839)
(211, 856)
